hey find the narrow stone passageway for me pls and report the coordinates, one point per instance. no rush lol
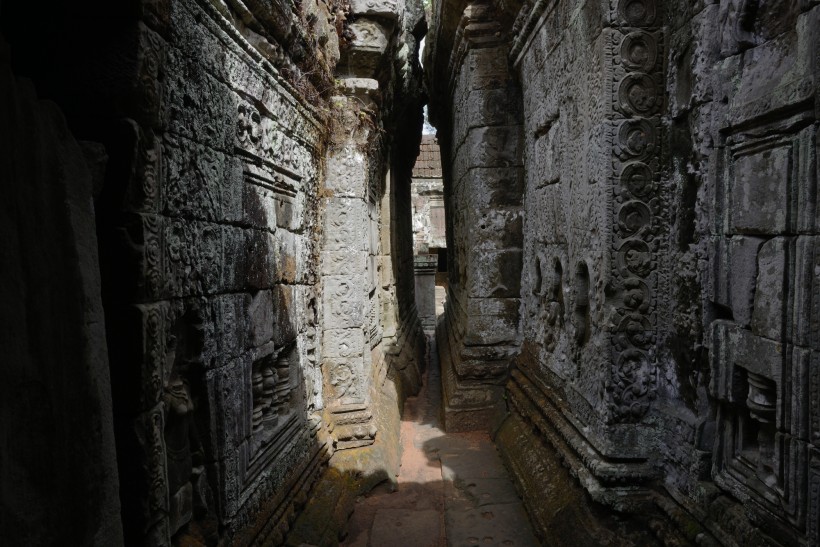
(452, 488)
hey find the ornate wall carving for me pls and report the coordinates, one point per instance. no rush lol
(669, 255)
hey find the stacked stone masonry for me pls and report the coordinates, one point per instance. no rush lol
(208, 263)
(247, 219)
(664, 343)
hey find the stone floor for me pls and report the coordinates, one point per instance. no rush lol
(452, 488)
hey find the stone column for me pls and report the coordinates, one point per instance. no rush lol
(483, 192)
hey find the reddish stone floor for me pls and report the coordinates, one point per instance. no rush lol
(452, 488)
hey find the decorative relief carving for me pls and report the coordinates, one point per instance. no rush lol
(638, 95)
(813, 516)
(152, 253)
(637, 13)
(549, 288)
(149, 63)
(637, 179)
(639, 51)
(633, 217)
(736, 22)
(151, 437)
(344, 383)
(273, 400)
(637, 139)
(581, 304)
(261, 136)
(634, 257)
(637, 205)
(187, 491)
(193, 251)
(154, 356)
(631, 385)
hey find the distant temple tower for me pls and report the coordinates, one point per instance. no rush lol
(429, 234)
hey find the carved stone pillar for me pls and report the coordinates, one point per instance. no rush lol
(483, 192)
(347, 267)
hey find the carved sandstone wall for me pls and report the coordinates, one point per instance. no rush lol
(668, 274)
(256, 316)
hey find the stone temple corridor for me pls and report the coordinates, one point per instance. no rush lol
(236, 310)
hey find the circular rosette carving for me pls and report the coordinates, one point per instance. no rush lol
(636, 295)
(637, 138)
(637, 178)
(635, 330)
(639, 51)
(634, 257)
(637, 12)
(633, 217)
(638, 94)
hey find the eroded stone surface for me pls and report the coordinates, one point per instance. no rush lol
(667, 173)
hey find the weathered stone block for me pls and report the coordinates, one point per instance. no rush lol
(194, 176)
(260, 262)
(759, 194)
(769, 318)
(806, 286)
(258, 206)
(494, 146)
(808, 174)
(287, 257)
(801, 392)
(286, 314)
(487, 107)
(388, 9)
(231, 320)
(496, 274)
(776, 73)
(735, 347)
(193, 99)
(234, 265)
(365, 54)
(492, 329)
(260, 317)
(495, 229)
(734, 269)
(232, 191)
(487, 68)
(289, 210)
(497, 187)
